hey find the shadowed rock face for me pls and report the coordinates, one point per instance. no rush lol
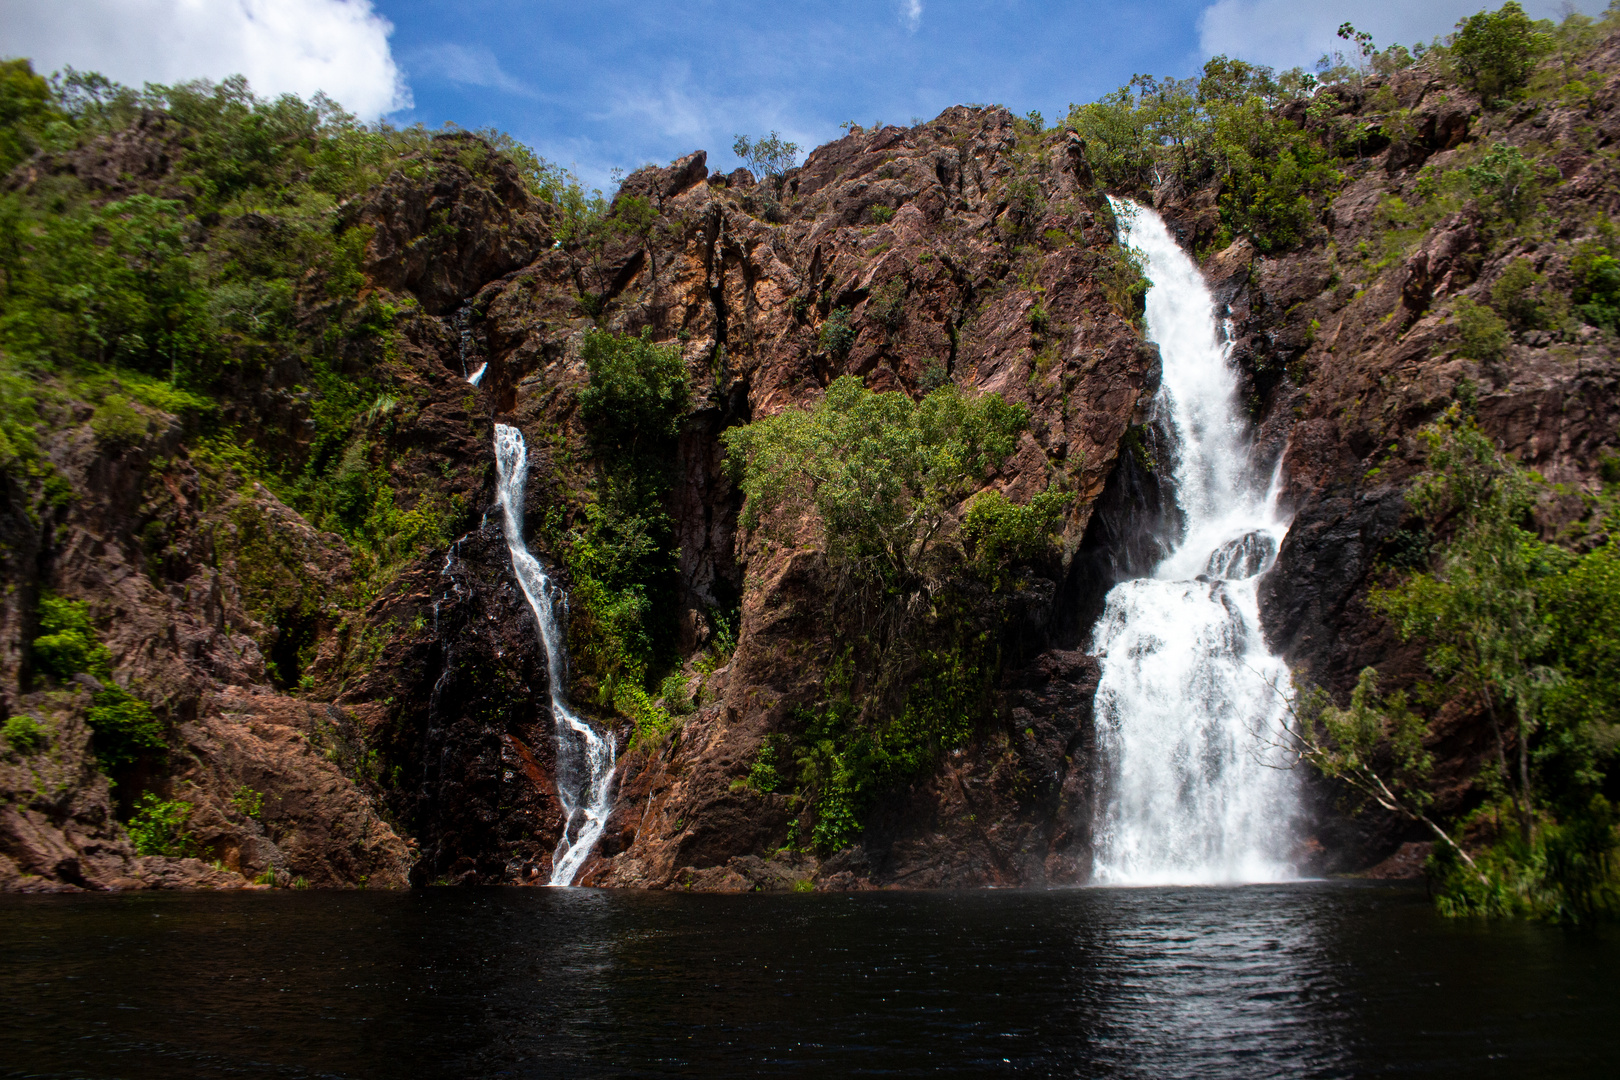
(418, 746)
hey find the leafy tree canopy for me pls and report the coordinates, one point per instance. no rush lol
(882, 473)
(1495, 51)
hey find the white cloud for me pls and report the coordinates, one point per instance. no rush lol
(1284, 33)
(282, 46)
(469, 65)
(911, 14)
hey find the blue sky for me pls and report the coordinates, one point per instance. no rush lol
(616, 84)
(619, 84)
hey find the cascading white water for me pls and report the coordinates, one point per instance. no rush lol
(1186, 704)
(584, 755)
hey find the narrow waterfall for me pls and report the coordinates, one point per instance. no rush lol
(584, 755)
(1187, 700)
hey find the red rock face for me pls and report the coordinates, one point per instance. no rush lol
(421, 747)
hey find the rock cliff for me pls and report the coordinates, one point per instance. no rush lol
(395, 725)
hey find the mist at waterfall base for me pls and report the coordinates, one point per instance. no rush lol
(584, 755)
(1300, 979)
(1190, 698)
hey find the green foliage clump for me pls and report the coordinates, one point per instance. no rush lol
(637, 393)
(27, 106)
(1222, 126)
(158, 827)
(1515, 295)
(111, 286)
(881, 472)
(1270, 171)
(675, 692)
(1523, 634)
(248, 802)
(1118, 137)
(1495, 52)
(68, 643)
(765, 775)
(621, 560)
(1505, 183)
(125, 728)
(118, 423)
(24, 735)
(837, 335)
(884, 479)
(1125, 282)
(1481, 333)
(1597, 283)
(997, 532)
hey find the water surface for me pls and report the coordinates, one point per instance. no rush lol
(1310, 979)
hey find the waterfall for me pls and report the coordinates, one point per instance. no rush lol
(1186, 703)
(584, 756)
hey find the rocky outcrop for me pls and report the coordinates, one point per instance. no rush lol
(390, 723)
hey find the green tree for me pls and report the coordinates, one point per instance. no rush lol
(770, 157)
(882, 473)
(1374, 747)
(27, 105)
(1495, 52)
(1480, 610)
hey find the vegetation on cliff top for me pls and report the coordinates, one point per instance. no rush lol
(1270, 143)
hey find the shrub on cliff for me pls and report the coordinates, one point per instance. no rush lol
(1482, 334)
(67, 643)
(1597, 283)
(125, 726)
(158, 827)
(880, 480)
(882, 473)
(1495, 52)
(622, 558)
(24, 735)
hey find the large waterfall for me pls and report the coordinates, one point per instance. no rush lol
(584, 755)
(1189, 699)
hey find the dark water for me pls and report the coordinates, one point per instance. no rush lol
(1304, 980)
